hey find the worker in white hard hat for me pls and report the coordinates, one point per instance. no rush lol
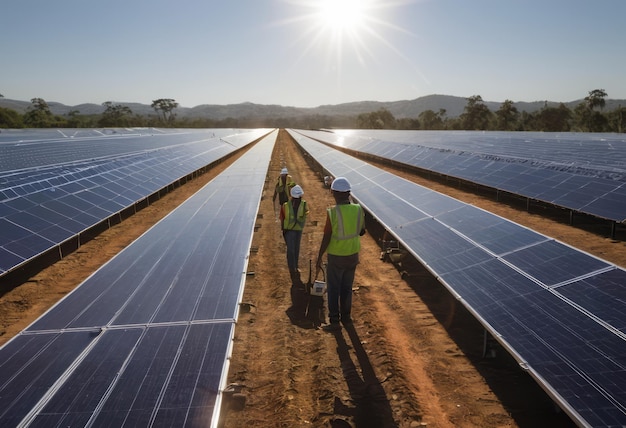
(284, 183)
(345, 224)
(292, 219)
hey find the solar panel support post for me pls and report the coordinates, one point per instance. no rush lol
(488, 350)
(613, 227)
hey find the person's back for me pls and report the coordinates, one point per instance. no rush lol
(345, 224)
(346, 220)
(293, 215)
(284, 183)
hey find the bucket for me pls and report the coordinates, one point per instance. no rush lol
(318, 288)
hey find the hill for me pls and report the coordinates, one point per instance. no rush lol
(454, 107)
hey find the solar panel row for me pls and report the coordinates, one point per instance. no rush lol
(558, 310)
(582, 172)
(21, 149)
(145, 340)
(58, 189)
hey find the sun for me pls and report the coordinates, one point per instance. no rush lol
(336, 26)
(343, 31)
(342, 15)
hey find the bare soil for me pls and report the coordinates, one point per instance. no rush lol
(414, 356)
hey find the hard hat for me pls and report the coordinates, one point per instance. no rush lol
(296, 191)
(284, 171)
(340, 184)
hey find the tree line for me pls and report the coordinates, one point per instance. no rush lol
(587, 116)
(38, 115)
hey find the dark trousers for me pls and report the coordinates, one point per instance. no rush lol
(292, 239)
(339, 279)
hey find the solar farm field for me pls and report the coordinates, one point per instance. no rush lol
(414, 356)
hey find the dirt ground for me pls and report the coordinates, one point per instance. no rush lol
(414, 357)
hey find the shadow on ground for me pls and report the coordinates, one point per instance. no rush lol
(368, 406)
(306, 311)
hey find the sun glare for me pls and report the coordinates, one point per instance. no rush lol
(345, 30)
(342, 15)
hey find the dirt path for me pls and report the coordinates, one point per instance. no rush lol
(414, 357)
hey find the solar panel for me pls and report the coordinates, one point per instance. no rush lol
(557, 310)
(582, 172)
(57, 189)
(145, 340)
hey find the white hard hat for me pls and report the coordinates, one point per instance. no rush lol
(296, 191)
(284, 171)
(340, 184)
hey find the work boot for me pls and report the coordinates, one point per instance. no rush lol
(333, 326)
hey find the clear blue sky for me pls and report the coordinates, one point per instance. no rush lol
(287, 52)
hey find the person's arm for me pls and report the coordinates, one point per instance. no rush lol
(328, 231)
(281, 216)
(362, 232)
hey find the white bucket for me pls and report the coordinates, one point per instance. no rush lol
(318, 288)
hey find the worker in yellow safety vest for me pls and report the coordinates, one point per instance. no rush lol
(345, 224)
(284, 183)
(292, 219)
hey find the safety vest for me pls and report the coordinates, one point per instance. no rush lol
(283, 189)
(347, 222)
(293, 221)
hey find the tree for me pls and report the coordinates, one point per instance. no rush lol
(115, 115)
(10, 118)
(431, 120)
(596, 99)
(38, 114)
(407, 123)
(166, 107)
(381, 119)
(477, 115)
(553, 119)
(74, 119)
(588, 119)
(617, 119)
(507, 116)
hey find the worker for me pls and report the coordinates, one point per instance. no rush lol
(345, 224)
(284, 183)
(292, 218)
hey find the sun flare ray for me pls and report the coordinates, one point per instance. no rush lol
(345, 27)
(345, 33)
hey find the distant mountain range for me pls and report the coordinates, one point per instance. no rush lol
(454, 107)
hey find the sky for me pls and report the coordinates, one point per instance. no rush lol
(307, 53)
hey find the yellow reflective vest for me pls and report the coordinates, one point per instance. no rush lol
(283, 189)
(292, 220)
(347, 221)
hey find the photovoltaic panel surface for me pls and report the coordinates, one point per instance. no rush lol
(145, 340)
(51, 190)
(579, 171)
(557, 310)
